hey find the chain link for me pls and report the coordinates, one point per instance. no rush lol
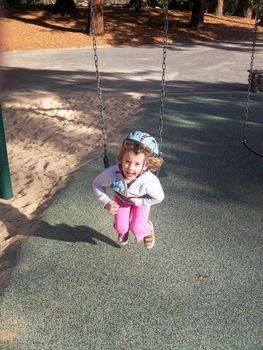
(99, 91)
(165, 7)
(250, 76)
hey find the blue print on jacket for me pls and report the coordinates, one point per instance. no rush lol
(118, 186)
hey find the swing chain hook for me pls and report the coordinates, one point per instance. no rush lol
(99, 90)
(162, 97)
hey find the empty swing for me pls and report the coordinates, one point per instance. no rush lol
(98, 81)
(252, 85)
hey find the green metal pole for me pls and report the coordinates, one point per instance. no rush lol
(5, 180)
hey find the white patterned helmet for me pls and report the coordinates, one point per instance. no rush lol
(145, 139)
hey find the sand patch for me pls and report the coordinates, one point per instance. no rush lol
(47, 139)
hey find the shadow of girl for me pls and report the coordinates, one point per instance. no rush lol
(67, 233)
(15, 227)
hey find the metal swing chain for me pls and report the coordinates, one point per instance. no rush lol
(244, 142)
(165, 7)
(99, 91)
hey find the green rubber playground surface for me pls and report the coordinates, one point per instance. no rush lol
(74, 288)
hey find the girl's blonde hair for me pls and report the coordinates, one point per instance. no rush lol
(153, 163)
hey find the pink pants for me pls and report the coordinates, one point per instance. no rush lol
(135, 219)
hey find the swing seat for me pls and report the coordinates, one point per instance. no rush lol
(256, 80)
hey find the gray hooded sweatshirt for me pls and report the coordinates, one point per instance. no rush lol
(146, 189)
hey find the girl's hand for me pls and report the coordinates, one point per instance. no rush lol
(112, 207)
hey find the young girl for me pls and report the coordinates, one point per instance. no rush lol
(136, 188)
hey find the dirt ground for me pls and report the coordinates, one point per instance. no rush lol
(40, 168)
(29, 29)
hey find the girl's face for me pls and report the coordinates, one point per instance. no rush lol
(132, 164)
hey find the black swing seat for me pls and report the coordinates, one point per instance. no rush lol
(256, 80)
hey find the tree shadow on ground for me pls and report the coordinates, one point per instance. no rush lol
(43, 18)
(15, 226)
(64, 83)
(125, 27)
(7, 262)
(60, 82)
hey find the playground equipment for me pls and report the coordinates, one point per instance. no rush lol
(5, 181)
(99, 91)
(255, 83)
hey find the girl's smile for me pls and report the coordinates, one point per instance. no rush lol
(132, 165)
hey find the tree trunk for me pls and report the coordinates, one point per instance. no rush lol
(65, 8)
(98, 17)
(219, 8)
(244, 8)
(197, 19)
(249, 10)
